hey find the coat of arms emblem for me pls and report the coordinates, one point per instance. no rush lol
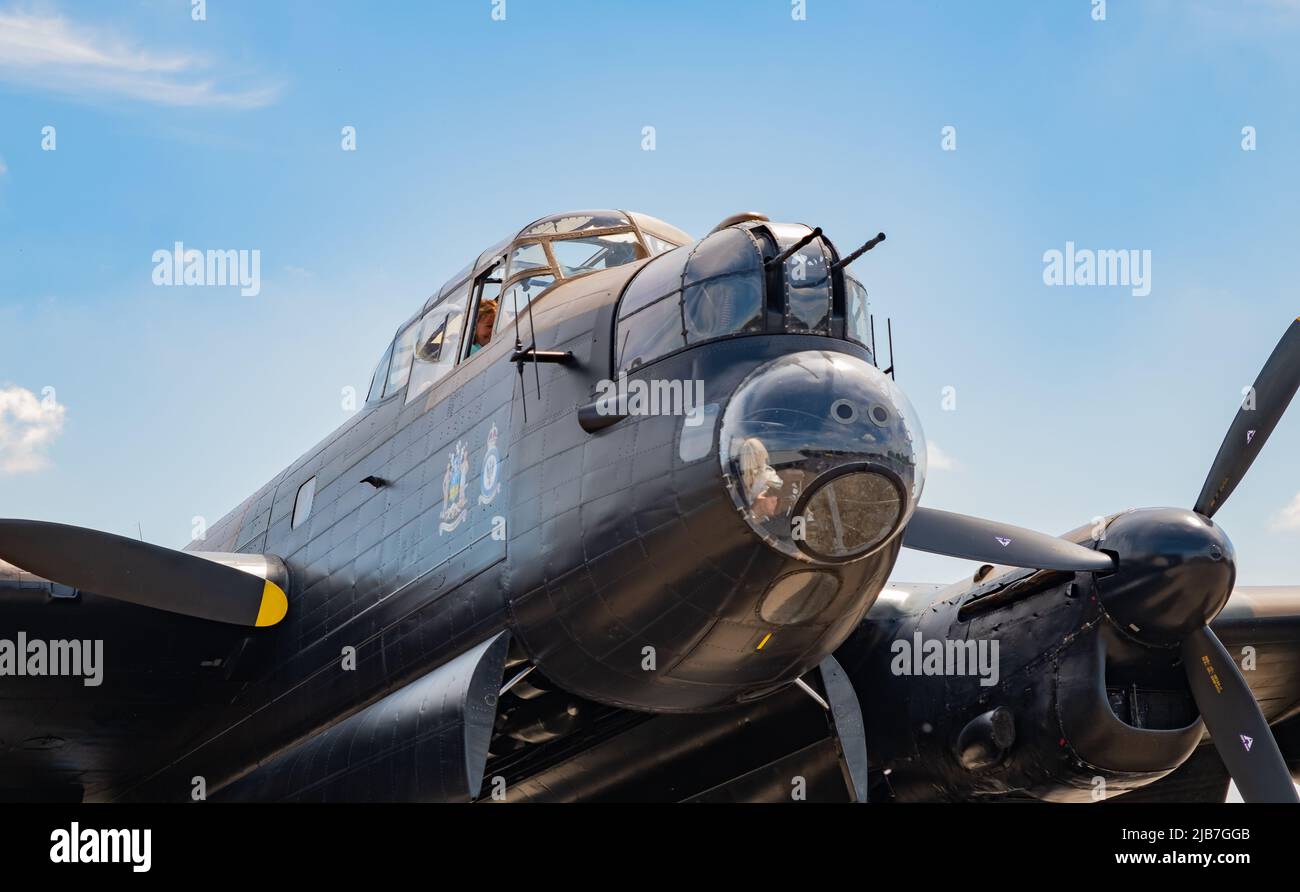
(455, 483)
(491, 478)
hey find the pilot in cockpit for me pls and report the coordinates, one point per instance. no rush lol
(487, 317)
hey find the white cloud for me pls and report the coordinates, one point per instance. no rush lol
(1289, 517)
(28, 425)
(938, 460)
(47, 52)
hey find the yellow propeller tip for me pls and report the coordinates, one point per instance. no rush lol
(274, 605)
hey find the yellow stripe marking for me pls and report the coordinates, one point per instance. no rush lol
(766, 638)
(274, 605)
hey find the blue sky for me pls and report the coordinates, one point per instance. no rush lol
(225, 133)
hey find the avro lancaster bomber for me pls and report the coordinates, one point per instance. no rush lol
(493, 583)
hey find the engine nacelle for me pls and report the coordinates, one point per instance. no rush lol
(1017, 685)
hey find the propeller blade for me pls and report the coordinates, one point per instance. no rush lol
(128, 570)
(1274, 388)
(1234, 721)
(976, 539)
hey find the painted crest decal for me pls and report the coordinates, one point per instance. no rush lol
(491, 477)
(455, 483)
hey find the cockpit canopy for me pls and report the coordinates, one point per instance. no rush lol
(502, 282)
(564, 246)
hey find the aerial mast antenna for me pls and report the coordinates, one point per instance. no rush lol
(532, 330)
(520, 356)
(519, 349)
(889, 325)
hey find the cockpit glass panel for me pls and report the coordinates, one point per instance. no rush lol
(523, 257)
(576, 256)
(400, 368)
(487, 292)
(724, 295)
(575, 223)
(726, 251)
(808, 290)
(380, 377)
(492, 252)
(454, 282)
(724, 305)
(517, 297)
(652, 332)
(490, 283)
(654, 280)
(437, 343)
(857, 317)
(724, 286)
(657, 245)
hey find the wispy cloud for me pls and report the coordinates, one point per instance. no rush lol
(1289, 517)
(50, 53)
(938, 460)
(28, 425)
(4, 169)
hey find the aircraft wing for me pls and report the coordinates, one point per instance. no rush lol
(1260, 627)
(95, 691)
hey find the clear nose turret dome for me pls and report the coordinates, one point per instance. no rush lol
(823, 455)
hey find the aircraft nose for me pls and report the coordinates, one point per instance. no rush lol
(823, 455)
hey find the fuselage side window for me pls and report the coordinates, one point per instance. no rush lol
(380, 377)
(438, 342)
(302, 503)
(399, 370)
